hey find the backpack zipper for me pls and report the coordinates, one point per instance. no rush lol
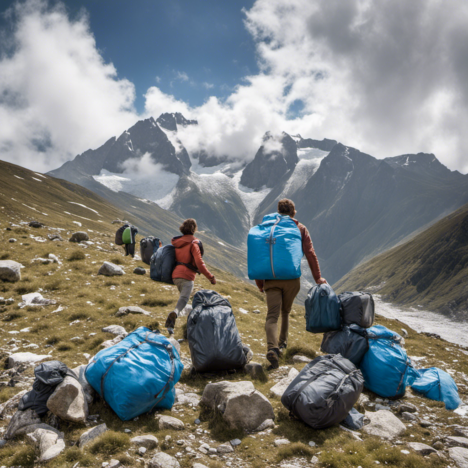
(271, 242)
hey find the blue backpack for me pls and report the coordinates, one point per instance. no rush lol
(386, 367)
(274, 249)
(136, 375)
(322, 310)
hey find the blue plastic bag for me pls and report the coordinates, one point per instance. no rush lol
(136, 375)
(386, 367)
(274, 249)
(322, 310)
(436, 384)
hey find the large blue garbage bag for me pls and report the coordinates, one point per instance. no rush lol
(136, 375)
(386, 368)
(322, 310)
(436, 384)
(274, 249)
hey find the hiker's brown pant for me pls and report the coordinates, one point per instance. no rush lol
(280, 295)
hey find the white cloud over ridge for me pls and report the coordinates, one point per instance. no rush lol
(386, 77)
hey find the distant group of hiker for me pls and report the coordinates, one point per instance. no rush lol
(358, 354)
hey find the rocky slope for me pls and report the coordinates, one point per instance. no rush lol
(83, 311)
(428, 271)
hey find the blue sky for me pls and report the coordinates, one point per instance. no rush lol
(197, 48)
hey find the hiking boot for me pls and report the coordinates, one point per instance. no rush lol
(170, 322)
(282, 346)
(273, 358)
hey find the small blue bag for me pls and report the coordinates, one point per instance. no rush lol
(386, 368)
(136, 375)
(436, 384)
(322, 310)
(274, 249)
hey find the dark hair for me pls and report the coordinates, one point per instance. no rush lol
(286, 207)
(188, 227)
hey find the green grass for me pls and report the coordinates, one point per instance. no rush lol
(76, 255)
(110, 443)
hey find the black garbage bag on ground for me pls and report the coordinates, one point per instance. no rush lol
(357, 307)
(351, 342)
(214, 340)
(162, 264)
(148, 246)
(48, 375)
(324, 391)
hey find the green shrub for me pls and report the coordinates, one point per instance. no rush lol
(110, 443)
(76, 255)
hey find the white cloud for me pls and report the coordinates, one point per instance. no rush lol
(207, 85)
(58, 96)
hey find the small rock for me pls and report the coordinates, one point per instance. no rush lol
(163, 460)
(256, 311)
(12, 240)
(423, 449)
(462, 431)
(114, 464)
(68, 401)
(407, 408)
(256, 371)
(115, 330)
(197, 421)
(49, 443)
(425, 423)
(198, 465)
(235, 442)
(224, 448)
(404, 332)
(283, 384)
(35, 224)
(110, 269)
(55, 237)
(79, 236)
(460, 456)
(91, 434)
(280, 442)
(131, 310)
(148, 441)
(10, 271)
(139, 271)
(312, 443)
(409, 416)
(384, 424)
(25, 358)
(378, 407)
(20, 420)
(314, 460)
(168, 422)
(297, 358)
(438, 445)
(454, 441)
(265, 425)
(142, 450)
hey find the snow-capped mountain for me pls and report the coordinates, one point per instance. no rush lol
(355, 205)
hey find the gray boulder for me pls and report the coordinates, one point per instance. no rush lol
(454, 441)
(139, 271)
(12, 240)
(115, 330)
(224, 448)
(460, 456)
(25, 358)
(462, 431)
(19, 420)
(68, 401)
(110, 269)
(33, 427)
(298, 359)
(168, 422)
(10, 271)
(49, 444)
(131, 310)
(422, 449)
(91, 434)
(163, 460)
(87, 389)
(384, 424)
(407, 408)
(79, 236)
(148, 441)
(187, 399)
(242, 406)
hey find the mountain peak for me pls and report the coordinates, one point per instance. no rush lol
(170, 121)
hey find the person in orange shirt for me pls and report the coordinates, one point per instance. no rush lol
(189, 251)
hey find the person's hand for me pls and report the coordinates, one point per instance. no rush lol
(321, 281)
(213, 281)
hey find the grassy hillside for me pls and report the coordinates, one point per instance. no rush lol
(430, 270)
(54, 202)
(89, 302)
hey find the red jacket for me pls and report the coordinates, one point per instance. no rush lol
(187, 251)
(309, 252)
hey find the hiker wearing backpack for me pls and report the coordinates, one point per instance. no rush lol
(280, 293)
(189, 262)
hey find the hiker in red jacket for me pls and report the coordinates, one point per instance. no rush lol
(189, 262)
(280, 294)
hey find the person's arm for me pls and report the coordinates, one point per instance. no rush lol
(311, 256)
(260, 284)
(200, 263)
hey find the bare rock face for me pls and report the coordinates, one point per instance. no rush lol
(384, 424)
(242, 406)
(48, 443)
(10, 271)
(91, 434)
(68, 401)
(87, 389)
(79, 237)
(110, 269)
(25, 358)
(454, 441)
(460, 456)
(422, 449)
(163, 460)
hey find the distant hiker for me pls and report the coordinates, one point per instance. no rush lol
(189, 262)
(280, 293)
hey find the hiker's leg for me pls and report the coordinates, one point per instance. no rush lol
(290, 291)
(274, 301)
(185, 288)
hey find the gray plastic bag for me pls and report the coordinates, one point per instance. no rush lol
(351, 342)
(324, 391)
